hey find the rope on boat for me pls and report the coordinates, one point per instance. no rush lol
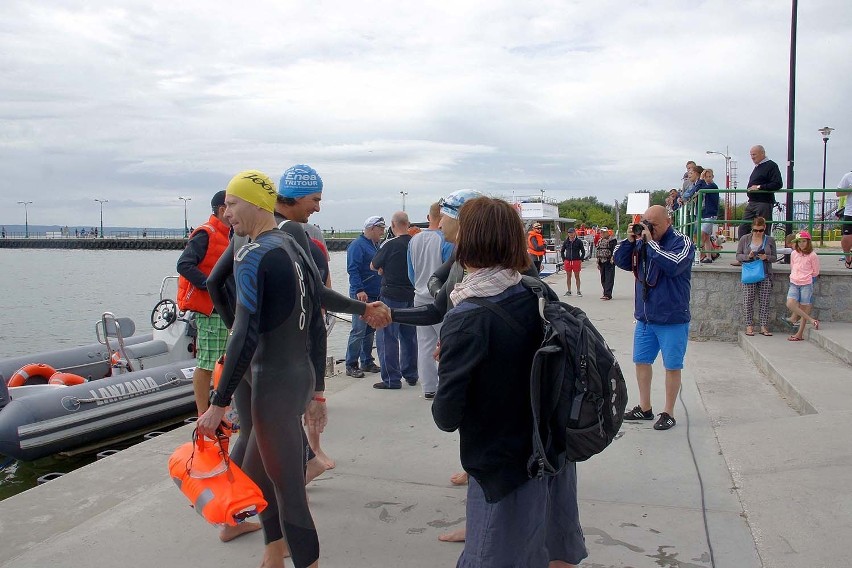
(76, 401)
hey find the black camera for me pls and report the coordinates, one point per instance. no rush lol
(637, 229)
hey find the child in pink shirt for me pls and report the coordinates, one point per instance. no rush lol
(804, 268)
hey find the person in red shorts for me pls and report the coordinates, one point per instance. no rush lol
(573, 252)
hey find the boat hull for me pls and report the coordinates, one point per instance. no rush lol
(41, 420)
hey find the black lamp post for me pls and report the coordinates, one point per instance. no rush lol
(26, 218)
(826, 132)
(102, 201)
(185, 225)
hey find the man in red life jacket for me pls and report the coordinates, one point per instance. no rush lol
(535, 245)
(206, 244)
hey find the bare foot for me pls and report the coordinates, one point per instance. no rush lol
(228, 532)
(327, 462)
(459, 478)
(314, 470)
(455, 536)
(274, 554)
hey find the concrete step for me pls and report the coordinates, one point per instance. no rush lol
(836, 338)
(810, 377)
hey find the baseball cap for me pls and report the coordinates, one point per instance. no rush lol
(536, 225)
(803, 235)
(218, 199)
(299, 181)
(604, 229)
(374, 221)
(255, 187)
(452, 203)
(572, 230)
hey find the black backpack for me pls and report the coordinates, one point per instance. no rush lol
(577, 390)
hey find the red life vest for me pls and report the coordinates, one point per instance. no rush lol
(534, 239)
(189, 297)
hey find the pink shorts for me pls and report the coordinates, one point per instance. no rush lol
(572, 265)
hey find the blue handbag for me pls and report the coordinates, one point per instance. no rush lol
(754, 271)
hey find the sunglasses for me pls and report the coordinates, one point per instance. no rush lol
(757, 230)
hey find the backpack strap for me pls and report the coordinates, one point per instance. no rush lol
(500, 311)
(538, 288)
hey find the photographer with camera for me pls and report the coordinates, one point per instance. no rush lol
(661, 261)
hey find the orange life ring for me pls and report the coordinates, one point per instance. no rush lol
(67, 379)
(20, 377)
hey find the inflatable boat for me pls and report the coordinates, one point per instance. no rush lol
(59, 400)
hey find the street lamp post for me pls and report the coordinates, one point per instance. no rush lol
(102, 201)
(826, 132)
(26, 218)
(185, 225)
(727, 180)
(403, 193)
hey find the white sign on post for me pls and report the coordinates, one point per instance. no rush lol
(638, 203)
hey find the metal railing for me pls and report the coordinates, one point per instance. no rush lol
(806, 216)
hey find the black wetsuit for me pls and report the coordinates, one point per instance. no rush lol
(277, 299)
(225, 303)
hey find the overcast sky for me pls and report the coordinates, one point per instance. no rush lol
(142, 102)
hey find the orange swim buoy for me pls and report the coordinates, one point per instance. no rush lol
(67, 379)
(34, 370)
(216, 487)
(217, 370)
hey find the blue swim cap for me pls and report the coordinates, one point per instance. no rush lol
(299, 181)
(452, 203)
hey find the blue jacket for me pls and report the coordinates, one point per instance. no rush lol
(663, 272)
(710, 204)
(693, 189)
(358, 257)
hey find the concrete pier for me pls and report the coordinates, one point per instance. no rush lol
(768, 482)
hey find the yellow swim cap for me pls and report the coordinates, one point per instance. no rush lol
(255, 187)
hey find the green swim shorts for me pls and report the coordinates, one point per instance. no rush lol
(211, 341)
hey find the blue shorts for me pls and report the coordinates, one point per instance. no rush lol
(802, 294)
(651, 338)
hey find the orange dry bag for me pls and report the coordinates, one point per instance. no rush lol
(215, 486)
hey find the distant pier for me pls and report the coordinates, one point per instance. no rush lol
(121, 243)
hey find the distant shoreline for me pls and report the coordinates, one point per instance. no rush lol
(121, 243)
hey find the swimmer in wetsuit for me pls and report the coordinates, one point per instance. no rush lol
(276, 301)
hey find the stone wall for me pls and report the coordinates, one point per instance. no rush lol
(716, 301)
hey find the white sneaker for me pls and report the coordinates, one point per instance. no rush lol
(579, 294)
(568, 293)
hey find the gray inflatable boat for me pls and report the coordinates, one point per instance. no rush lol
(59, 400)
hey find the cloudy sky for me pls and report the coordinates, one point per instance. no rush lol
(141, 102)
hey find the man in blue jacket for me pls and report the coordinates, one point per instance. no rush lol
(661, 260)
(365, 284)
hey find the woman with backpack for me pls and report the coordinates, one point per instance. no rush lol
(484, 393)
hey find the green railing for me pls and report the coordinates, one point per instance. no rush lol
(688, 220)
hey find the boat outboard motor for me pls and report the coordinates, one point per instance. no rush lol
(4, 392)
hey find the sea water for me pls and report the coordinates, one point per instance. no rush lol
(52, 298)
